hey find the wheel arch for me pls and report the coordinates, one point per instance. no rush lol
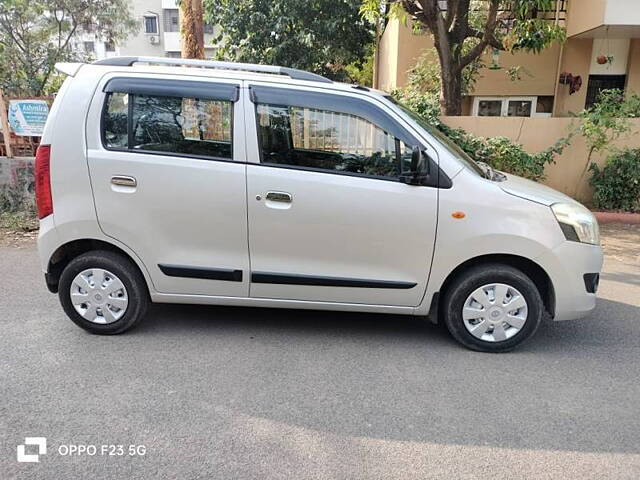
(527, 266)
(65, 253)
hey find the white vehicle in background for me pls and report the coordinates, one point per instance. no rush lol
(236, 184)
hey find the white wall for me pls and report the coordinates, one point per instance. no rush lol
(622, 12)
(617, 48)
(172, 41)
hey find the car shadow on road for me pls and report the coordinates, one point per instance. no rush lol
(212, 319)
(602, 327)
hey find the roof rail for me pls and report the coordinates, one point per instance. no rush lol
(293, 73)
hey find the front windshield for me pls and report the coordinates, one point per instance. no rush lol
(441, 137)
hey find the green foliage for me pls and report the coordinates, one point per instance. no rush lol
(617, 185)
(533, 35)
(425, 76)
(425, 105)
(605, 122)
(33, 38)
(505, 155)
(608, 119)
(323, 36)
(360, 72)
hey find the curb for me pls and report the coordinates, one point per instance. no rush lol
(618, 217)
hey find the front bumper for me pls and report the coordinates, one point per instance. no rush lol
(567, 265)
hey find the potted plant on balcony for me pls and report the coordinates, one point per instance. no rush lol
(604, 59)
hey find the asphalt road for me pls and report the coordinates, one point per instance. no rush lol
(230, 393)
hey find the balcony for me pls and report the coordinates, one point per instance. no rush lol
(603, 19)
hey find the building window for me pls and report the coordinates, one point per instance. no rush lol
(171, 20)
(489, 108)
(181, 125)
(208, 28)
(505, 106)
(109, 47)
(150, 24)
(173, 54)
(89, 47)
(519, 108)
(598, 83)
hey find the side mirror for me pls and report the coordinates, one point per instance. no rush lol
(419, 168)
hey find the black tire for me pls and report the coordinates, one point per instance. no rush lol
(129, 275)
(467, 282)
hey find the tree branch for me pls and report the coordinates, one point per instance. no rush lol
(489, 29)
(461, 24)
(452, 11)
(493, 41)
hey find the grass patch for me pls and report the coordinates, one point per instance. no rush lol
(18, 222)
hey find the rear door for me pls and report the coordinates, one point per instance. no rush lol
(329, 219)
(166, 163)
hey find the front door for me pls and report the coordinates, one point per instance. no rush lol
(328, 219)
(169, 181)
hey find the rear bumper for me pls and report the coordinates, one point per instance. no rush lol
(572, 268)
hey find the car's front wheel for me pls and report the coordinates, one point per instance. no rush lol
(492, 308)
(103, 292)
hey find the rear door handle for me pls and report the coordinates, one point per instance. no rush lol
(283, 197)
(124, 181)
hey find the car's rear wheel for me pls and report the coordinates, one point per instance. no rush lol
(103, 292)
(492, 308)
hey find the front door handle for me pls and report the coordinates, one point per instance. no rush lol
(123, 181)
(283, 197)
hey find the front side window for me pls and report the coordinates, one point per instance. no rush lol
(328, 140)
(180, 125)
(440, 137)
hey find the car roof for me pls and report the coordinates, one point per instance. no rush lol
(212, 69)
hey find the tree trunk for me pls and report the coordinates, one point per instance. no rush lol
(192, 29)
(451, 92)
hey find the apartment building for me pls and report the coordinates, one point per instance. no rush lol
(158, 34)
(602, 51)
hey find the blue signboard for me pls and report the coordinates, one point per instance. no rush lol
(27, 117)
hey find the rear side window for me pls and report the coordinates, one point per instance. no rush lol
(171, 125)
(329, 140)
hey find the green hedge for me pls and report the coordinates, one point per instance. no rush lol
(617, 184)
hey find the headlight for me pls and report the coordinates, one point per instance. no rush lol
(577, 223)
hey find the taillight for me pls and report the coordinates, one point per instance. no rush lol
(43, 181)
